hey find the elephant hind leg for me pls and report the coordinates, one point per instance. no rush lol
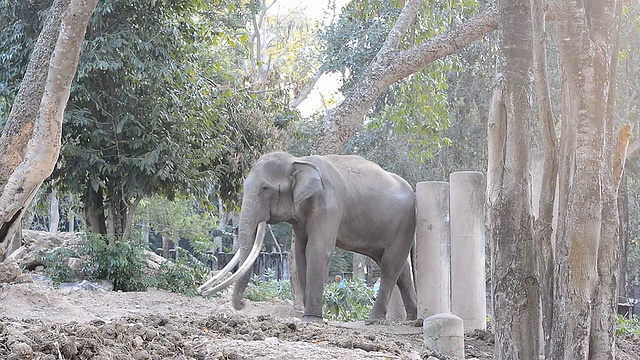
(407, 291)
(389, 272)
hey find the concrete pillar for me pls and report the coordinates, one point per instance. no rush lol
(468, 290)
(433, 248)
(444, 333)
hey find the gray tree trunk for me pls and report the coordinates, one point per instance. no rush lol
(544, 237)
(30, 143)
(624, 237)
(587, 243)
(54, 211)
(514, 267)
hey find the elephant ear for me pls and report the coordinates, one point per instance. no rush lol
(308, 180)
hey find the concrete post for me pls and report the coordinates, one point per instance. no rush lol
(433, 248)
(444, 333)
(468, 290)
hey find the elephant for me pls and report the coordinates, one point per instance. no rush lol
(332, 200)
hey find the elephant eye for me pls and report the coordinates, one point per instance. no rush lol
(265, 187)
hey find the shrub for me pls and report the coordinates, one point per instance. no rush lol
(120, 262)
(56, 265)
(269, 289)
(625, 326)
(347, 300)
(184, 275)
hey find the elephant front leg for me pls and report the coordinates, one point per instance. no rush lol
(318, 255)
(300, 247)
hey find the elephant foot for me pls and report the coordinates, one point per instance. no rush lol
(237, 303)
(376, 320)
(312, 319)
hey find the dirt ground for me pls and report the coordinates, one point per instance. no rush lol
(40, 321)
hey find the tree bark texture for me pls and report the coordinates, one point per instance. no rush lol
(31, 143)
(544, 221)
(587, 243)
(623, 237)
(514, 274)
(54, 211)
(391, 65)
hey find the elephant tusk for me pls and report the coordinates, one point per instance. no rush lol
(234, 260)
(248, 263)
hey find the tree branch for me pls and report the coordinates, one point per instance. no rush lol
(390, 66)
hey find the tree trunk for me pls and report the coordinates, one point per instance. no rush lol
(544, 237)
(587, 243)
(514, 267)
(296, 289)
(30, 143)
(94, 211)
(165, 245)
(391, 65)
(359, 263)
(54, 211)
(623, 237)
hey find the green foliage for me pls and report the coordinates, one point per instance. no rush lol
(21, 23)
(415, 110)
(348, 300)
(178, 219)
(341, 261)
(160, 104)
(625, 326)
(184, 275)
(56, 264)
(120, 262)
(268, 289)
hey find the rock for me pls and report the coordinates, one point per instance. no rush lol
(70, 348)
(21, 351)
(24, 279)
(19, 253)
(137, 342)
(141, 355)
(85, 285)
(9, 271)
(154, 260)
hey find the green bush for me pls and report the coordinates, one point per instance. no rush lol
(57, 265)
(120, 262)
(269, 289)
(184, 275)
(625, 326)
(348, 300)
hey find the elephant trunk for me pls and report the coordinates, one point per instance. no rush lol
(251, 237)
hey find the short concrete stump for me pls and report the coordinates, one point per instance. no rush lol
(444, 333)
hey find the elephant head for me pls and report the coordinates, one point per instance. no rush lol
(274, 190)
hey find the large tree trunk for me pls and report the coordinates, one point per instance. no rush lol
(391, 65)
(514, 275)
(30, 143)
(544, 237)
(587, 244)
